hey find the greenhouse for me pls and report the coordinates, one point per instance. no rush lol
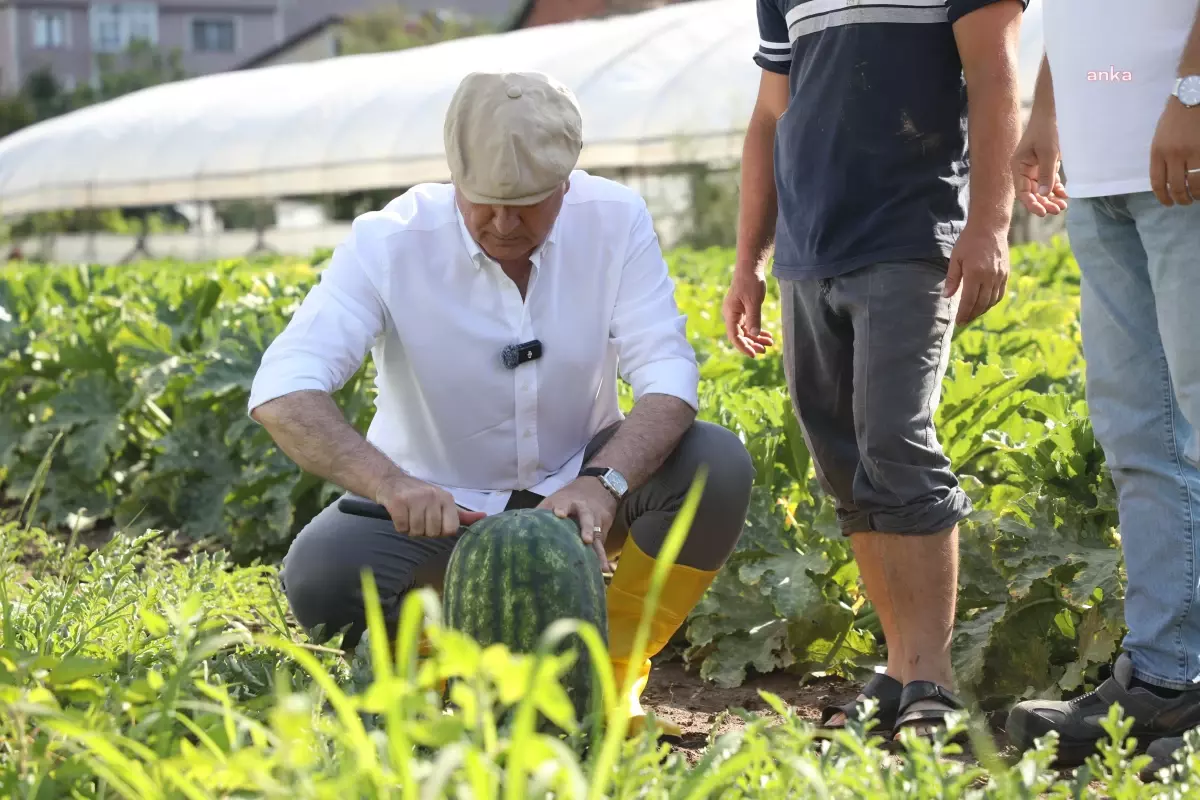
(659, 90)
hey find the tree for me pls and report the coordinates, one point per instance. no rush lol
(42, 97)
(141, 66)
(394, 27)
(46, 95)
(15, 113)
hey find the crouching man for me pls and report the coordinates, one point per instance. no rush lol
(499, 310)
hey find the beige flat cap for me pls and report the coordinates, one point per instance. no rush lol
(511, 137)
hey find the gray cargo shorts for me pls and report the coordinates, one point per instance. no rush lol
(865, 355)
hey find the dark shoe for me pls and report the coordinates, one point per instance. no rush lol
(1078, 721)
(882, 688)
(922, 691)
(1163, 753)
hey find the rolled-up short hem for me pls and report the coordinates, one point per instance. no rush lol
(916, 520)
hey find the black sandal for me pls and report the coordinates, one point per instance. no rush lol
(885, 690)
(919, 691)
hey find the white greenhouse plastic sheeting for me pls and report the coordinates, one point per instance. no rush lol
(662, 87)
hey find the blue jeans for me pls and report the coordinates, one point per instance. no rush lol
(1140, 263)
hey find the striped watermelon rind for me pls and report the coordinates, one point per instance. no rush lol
(513, 574)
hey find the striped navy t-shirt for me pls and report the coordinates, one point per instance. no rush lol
(871, 159)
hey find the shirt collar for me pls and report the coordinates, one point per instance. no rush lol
(479, 258)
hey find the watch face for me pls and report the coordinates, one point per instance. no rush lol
(618, 482)
(1189, 90)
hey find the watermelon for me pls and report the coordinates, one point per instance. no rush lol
(513, 574)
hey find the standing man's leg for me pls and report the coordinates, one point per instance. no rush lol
(1172, 240)
(1141, 335)
(866, 355)
(909, 500)
(818, 353)
(639, 529)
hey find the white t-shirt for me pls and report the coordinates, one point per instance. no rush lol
(1114, 64)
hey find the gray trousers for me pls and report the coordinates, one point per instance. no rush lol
(321, 572)
(865, 355)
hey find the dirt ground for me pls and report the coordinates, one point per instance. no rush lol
(697, 706)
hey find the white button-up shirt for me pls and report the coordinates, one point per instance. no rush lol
(413, 288)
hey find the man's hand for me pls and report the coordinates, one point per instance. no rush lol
(979, 266)
(421, 509)
(988, 40)
(587, 502)
(1175, 151)
(1035, 166)
(742, 311)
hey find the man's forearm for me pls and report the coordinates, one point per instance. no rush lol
(1043, 92)
(310, 428)
(758, 202)
(650, 433)
(994, 114)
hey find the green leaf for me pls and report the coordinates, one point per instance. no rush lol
(786, 580)
(1098, 640)
(553, 701)
(763, 647)
(71, 669)
(972, 638)
(1101, 570)
(155, 623)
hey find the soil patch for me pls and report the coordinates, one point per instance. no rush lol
(698, 706)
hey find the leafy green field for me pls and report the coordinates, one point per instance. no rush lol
(134, 672)
(128, 672)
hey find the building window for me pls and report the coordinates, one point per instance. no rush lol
(213, 35)
(115, 25)
(49, 30)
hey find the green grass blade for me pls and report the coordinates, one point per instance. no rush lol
(618, 720)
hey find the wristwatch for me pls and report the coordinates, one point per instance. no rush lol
(1187, 89)
(611, 479)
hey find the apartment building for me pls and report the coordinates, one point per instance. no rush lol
(218, 35)
(67, 35)
(211, 35)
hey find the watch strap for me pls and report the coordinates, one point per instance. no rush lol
(600, 472)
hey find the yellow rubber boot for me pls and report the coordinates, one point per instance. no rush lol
(424, 651)
(626, 594)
